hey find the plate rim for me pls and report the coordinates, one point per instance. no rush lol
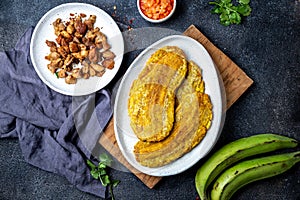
(35, 32)
(219, 121)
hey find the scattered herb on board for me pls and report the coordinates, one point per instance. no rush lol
(100, 173)
(229, 12)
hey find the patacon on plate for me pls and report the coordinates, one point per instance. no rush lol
(125, 136)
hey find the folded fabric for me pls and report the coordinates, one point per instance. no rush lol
(56, 132)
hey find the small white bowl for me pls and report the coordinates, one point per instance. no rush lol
(156, 20)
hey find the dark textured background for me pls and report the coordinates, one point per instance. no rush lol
(266, 46)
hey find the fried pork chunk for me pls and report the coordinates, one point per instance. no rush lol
(78, 41)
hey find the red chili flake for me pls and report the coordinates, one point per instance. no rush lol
(131, 20)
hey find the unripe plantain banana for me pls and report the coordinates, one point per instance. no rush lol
(251, 170)
(236, 151)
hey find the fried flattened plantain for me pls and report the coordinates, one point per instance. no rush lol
(152, 95)
(193, 117)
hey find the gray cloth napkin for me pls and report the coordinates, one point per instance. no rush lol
(56, 132)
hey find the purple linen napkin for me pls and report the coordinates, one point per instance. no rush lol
(56, 132)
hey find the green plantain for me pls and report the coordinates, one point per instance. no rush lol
(235, 151)
(251, 170)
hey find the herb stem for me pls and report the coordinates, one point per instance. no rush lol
(223, 5)
(99, 172)
(111, 192)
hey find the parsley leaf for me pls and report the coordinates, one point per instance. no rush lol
(231, 13)
(56, 74)
(99, 172)
(244, 1)
(105, 159)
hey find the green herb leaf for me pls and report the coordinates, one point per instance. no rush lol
(105, 180)
(95, 174)
(90, 164)
(101, 165)
(99, 172)
(244, 10)
(216, 10)
(102, 172)
(56, 74)
(105, 159)
(115, 183)
(244, 1)
(231, 13)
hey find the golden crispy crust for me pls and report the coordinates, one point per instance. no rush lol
(193, 117)
(152, 96)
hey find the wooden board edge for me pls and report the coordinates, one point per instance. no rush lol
(239, 80)
(108, 141)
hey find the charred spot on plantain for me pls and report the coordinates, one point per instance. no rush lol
(273, 163)
(284, 165)
(297, 155)
(216, 185)
(269, 142)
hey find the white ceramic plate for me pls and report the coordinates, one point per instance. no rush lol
(214, 87)
(44, 31)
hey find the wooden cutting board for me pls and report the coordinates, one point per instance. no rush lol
(235, 81)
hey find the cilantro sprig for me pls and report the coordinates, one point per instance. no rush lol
(231, 13)
(99, 172)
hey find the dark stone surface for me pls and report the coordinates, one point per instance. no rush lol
(266, 46)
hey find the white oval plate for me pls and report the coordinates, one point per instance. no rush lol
(44, 31)
(125, 136)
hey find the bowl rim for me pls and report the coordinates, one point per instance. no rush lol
(154, 20)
